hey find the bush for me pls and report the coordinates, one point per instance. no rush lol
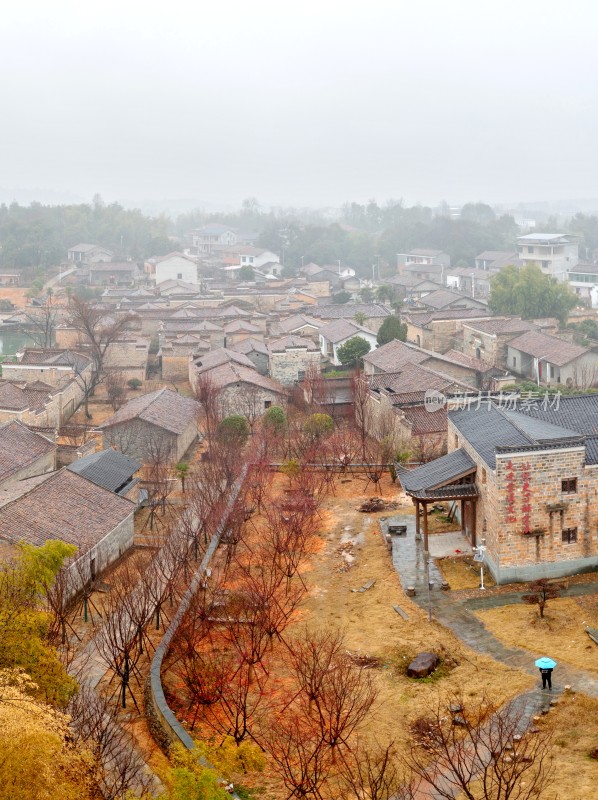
(275, 419)
(318, 425)
(134, 383)
(233, 430)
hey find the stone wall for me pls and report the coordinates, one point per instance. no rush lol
(285, 367)
(248, 399)
(104, 553)
(40, 466)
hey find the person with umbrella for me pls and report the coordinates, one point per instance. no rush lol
(546, 665)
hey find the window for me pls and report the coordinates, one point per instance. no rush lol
(569, 535)
(483, 475)
(551, 371)
(484, 524)
(530, 249)
(569, 485)
(179, 276)
(267, 403)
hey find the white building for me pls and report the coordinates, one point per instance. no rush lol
(212, 238)
(583, 280)
(554, 253)
(337, 333)
(176, 267)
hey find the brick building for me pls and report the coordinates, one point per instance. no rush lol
(527, 480)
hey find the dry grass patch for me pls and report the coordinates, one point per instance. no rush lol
(463, 573)
(374, 629)
(574, 723)
(561, 634)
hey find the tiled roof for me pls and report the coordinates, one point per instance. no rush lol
(548, 348)
(342, 329)
(20, 447)
(108, 468)
(221, 355)
(12, 397)
(391, 356)
(422, 318)
(437, 473)
(348, 310)
(441, 298)
(413, 377)
(297, 321)
(163, 408)
(468, 361)
(499, 325)
(289, 342)
(423, 421)
(489, 427)
(55, 358)
(63, 506)
(575, 412)
(241, 326)
(496, 255)
(231, 373)
(250, 345)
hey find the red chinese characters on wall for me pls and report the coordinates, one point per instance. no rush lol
(511, 513)
(526, 505)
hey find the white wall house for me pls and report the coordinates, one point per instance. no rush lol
(212, 238)
(176, 267)
(583, 280)
(554, 253)
(256, 257)
(337, 333)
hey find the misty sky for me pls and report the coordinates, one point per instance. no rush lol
(304, 103)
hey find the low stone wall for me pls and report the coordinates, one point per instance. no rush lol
(164, 725)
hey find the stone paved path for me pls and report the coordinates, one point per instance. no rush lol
(456, 614)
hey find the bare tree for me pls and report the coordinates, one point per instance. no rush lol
(362, 413)
(481, 752)
(118, 768)
(41, 323)
(371, 772)
(97, 334)
(116, 388)
(208, 395)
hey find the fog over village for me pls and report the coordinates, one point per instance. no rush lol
(299, 401)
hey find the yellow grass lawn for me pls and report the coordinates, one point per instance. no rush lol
(561, 634)
(574, 723)
(462, 573)
(348, 560)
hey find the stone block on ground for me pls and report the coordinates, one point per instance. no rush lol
(422, 665)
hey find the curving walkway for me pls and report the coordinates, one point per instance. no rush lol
(456, 614)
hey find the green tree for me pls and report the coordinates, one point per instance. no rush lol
(384, 292)
(318, 425)
(391, 328)
(275, 420)
(353, 350)
(246, 274)
(366, 294)
(24, 624)
(233, 430)
(360, 318)
(340, 298)
(530, 294)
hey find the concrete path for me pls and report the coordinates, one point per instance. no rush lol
(456, 614)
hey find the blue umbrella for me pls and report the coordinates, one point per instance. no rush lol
(545, 663)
